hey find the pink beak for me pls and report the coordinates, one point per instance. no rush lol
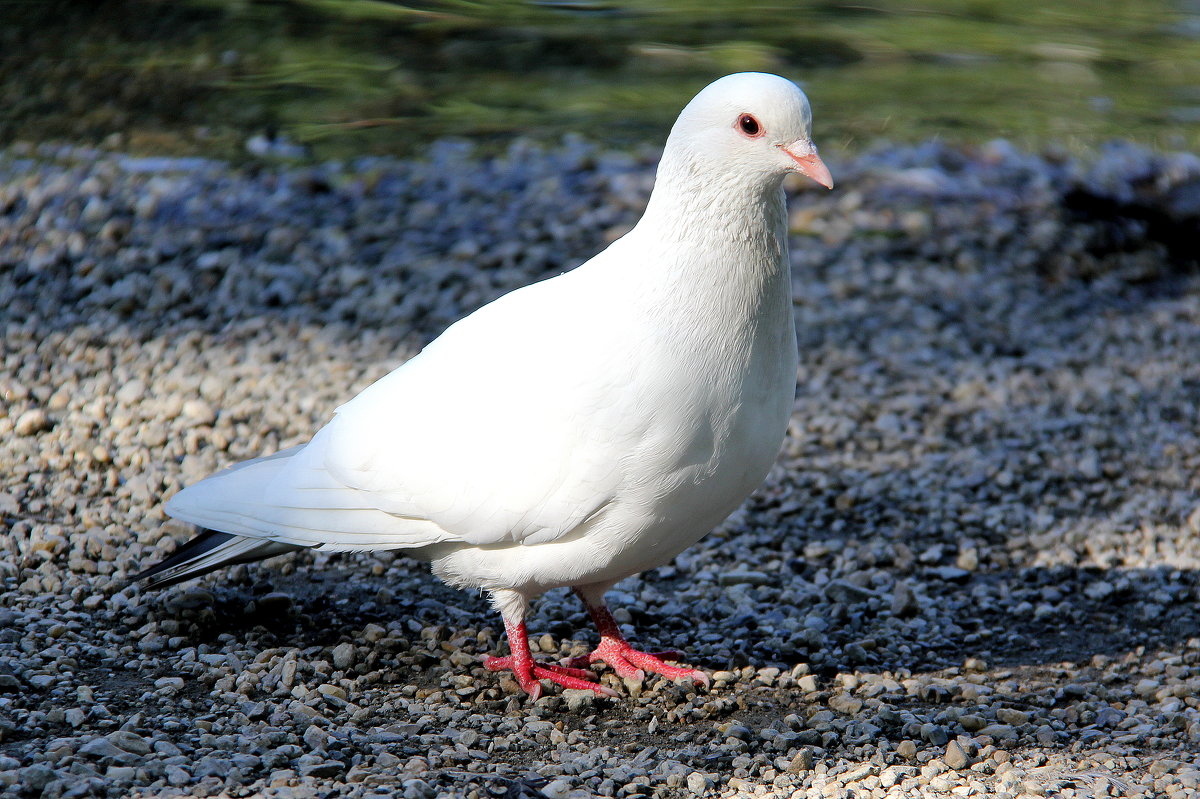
(810, 164)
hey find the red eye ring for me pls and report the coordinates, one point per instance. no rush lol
(749, 125)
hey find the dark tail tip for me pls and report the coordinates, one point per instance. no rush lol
(202, 544)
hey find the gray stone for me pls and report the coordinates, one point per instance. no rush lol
(343, 656)
(329, 768)
(1009, 715)
(951, 574)
(31, 421)
(579, 699)
(199, 411)
(1046, 735)
(120, 773)
(904, 600)
(335, 691)
(846, 704)
(274, 602)
(999, 732)
(801, 762)
(212, 767)
(557, 789)
(972, 722)
(936, 734)
(847, 593)
(130, 742)
(177, 776)
(955, 757)
(36, 777)
(103, 748)
(316, 738)
(746, 577)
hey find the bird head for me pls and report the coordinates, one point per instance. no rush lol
(751, 123)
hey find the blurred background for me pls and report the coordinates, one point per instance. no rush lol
(327, 78)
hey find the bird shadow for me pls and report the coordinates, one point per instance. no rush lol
(1081, 614)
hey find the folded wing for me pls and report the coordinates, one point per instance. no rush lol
(499, 432)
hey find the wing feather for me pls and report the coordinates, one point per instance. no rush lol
(500, 431)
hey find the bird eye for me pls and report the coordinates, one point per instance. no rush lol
(747, 124)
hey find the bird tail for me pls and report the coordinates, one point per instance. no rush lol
(207, 552)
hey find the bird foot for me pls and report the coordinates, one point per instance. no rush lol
(528, 673)
(630, 663)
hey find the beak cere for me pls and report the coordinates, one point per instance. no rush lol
(808, 163)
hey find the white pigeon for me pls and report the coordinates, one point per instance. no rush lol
(631, 405)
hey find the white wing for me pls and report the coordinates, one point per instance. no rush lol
(508, 428)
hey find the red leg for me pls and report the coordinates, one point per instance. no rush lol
(527, 672)
(626, 661)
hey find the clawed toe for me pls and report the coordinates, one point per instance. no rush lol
(627, 662)
(583, 661)
(528, 673)
(633, 664)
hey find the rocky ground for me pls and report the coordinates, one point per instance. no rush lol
(974, 571)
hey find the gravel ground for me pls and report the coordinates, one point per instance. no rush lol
(973, 573)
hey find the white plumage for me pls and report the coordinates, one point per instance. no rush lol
(578, 430)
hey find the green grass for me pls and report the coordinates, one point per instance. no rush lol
(354, 76)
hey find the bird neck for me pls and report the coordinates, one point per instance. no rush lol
(717, 249)
(694, 203)
(727, 229)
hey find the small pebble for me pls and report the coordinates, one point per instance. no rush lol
(955, 757)
(31, 421)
